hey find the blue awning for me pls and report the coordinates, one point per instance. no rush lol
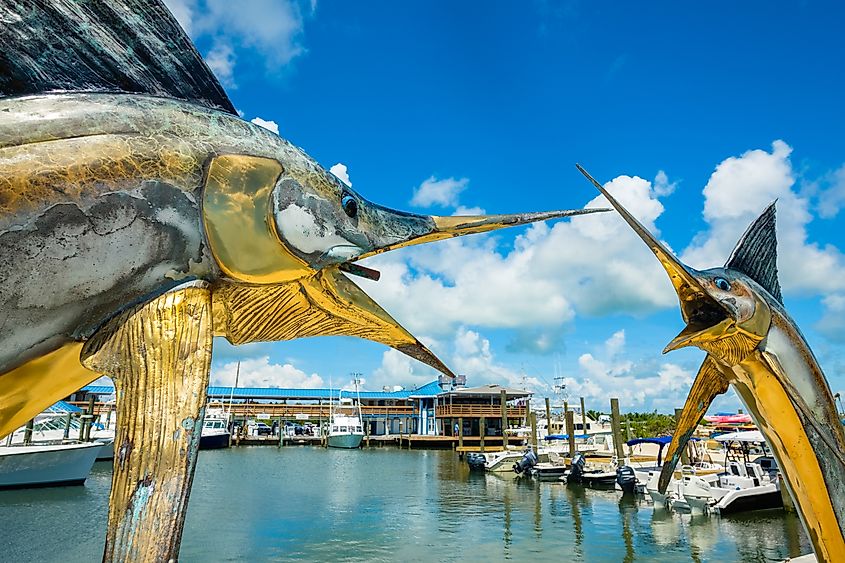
(566, 436)
(660, 441)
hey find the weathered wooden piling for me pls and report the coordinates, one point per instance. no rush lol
(548, 417)
(583, 417)
(66, 434)
(482, 422)
(27, 433)
(616, 429)
(504, 410)
(534, 430)
(570, 431)
(460, 432)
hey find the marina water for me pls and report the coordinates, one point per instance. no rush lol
(384, 504)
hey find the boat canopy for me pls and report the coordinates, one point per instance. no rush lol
(62, 407)
(747, 436)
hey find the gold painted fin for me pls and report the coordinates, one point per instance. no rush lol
(237, 220)
(707, 385)
(29, 389)
(326, 304)
(159, 355)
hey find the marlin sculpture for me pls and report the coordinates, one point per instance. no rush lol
(736, 315)
(140, 217)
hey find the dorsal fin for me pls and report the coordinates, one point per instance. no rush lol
(133, 46)
(756, 253)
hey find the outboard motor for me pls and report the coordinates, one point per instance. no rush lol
(626, 479)
(476, 461)
(576, 468)
(528, 461)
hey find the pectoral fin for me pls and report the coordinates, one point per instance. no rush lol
(326, 304)
(707, 385)
(34, 386)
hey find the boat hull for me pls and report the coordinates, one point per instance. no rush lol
(215, 441)
(107, 451)
(345, 441)
(46, 466)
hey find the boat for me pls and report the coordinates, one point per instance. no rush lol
(596, 478)
(644, 471)
(345, 427)
(60, 423)
(46, 465)
(745, 485)
(551, 470)
(503, 461)
(215, 428)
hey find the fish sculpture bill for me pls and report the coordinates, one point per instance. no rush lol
(140, 216)
(736, 315)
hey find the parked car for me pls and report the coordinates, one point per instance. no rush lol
(262, 429)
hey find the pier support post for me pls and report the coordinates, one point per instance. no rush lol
(482, 422)
(66, 434)
(534, 430)
(548, 417)
(27, 433)
(460, 432)
(504, 410)
(159, 355)
(616, 427)
(583, 417)
(570, 431)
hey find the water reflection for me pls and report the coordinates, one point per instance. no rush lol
(384, 504)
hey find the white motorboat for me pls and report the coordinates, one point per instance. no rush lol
(46, 465)
(504, 460)
(56, 427)
(346, 430)
(745, 485)
(215, 428)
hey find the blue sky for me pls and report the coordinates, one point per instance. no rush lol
(700, 117)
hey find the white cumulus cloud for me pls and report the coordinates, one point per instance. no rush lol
(269, 125)
(342, 173)
(259, 372)
(443, 192)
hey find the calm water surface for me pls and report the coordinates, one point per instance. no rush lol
(311, 504)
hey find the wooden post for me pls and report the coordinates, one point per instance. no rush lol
(504, 408)
(534, 430)
(68, 416)
(527, 410)
(684, 456)
(570, 431)
(583, 417)
(617, 429)
(27, 433)
(482, 422)
(461, 432)
(548, 417)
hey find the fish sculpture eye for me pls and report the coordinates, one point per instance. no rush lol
(350, 206)
(722, 284)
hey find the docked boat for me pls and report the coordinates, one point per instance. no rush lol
(56, 426)
(745, 485)
(46, 465)
(215, 428)
(346, 430)
(596, 478)
(504, 460)
(551, 470)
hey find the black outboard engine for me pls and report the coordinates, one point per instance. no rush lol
(576, 468)
(626, 479)
(528, 461)
(476, 461)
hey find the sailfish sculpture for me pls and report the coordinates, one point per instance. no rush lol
(735, 313)
(140, 217)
